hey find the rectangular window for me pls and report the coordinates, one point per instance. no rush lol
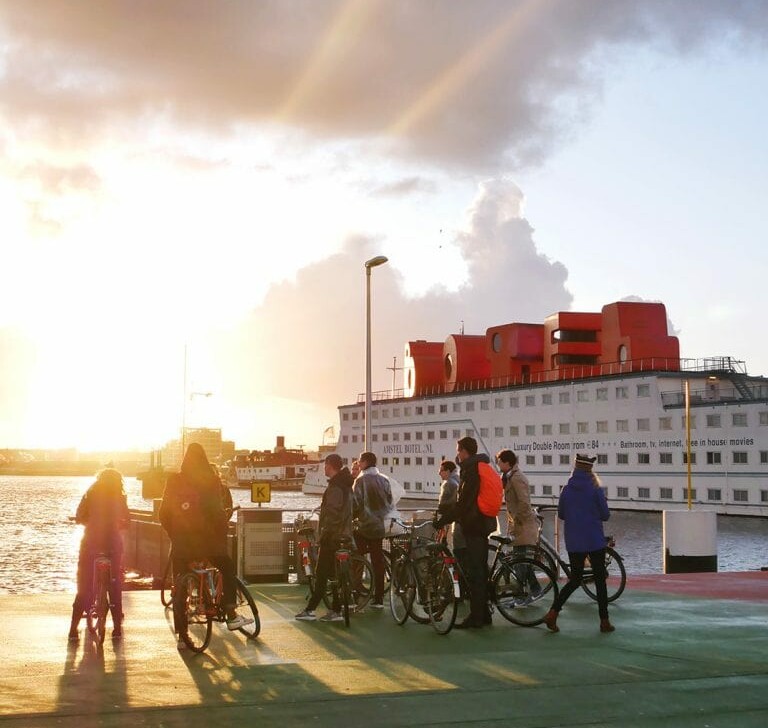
(385, 414)
(457, 406)
(443, 434)
(418, 485)
(530, 430)
(514, 401)
(344, 438)
(374, 438)
(396, 412)
(602, 458)
(469, 432)
(622, 393)
(483, 432)
(564, 397)
(582, 395)
(385, 437)
(498, 403)
(407, 411)
(643, 424)
(443, 409)
(564, 428)
(601, 426)
(643, 458)
(665, 458)
(740, 496)
(622, 425)
(546, 460)
(739, 419)
(685, 458)
(406, 436)
(419, 461)
(740, 458)
(546, 429)
(582, 428)
(764, 457)
(685, 494)
(498, 432)
(484, 404)
(764, 496)
(469, 406)
(565, 460)
(419, 410)
(430, 434)
(714, 494)
(643, 390)
(665, 493)
(385, 461)
(430, 461)
(713, 458)
(532, 489)
(530, 460)
(395, 436)
(456, 434)
(375, 415)
(546, 398)
(622, 458)
(665, 423)
(547, 490)
(530, 400)
(345, 417)
(622, 492)
(713, 420)
(601, 394)
(354, 438)
(419, 435)
(764, 418)
(644, 493)
(693, 422)
(407, 484)
(514, 431)
(406, 461)
(430, 409)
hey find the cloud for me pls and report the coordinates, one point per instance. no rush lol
(404, 187)
(478, 84)
(307, 339)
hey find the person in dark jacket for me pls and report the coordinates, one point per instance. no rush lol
(103, 511)
(476, 528)
(371, 502)
(334, 526)
(583, 507)
(195, 513)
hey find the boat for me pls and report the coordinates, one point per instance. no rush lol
(285, 468)
(315, 480)
(609, 383)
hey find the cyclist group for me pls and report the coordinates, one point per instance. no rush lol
(196, 506)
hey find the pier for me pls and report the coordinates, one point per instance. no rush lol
(689, 650)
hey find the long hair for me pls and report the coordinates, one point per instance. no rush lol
(109, 482)
(195, 465)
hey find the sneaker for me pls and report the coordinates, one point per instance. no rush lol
(306, 615)
(331, 616)
(238, 622)
(181, 645)
(377, 605)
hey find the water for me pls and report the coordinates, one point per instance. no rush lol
(39, 545)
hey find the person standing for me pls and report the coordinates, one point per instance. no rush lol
(371, 502)
(475, 527)
(523, 524)
(449, 493)
(335, 524)
(195, 514)
(103, 510)
(583, 507)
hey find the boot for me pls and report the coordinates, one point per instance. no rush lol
(550, 620)
(606, 626)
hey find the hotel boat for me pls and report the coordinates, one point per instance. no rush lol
(610, 384)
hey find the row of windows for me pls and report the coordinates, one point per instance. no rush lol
(739, 495)
(713, 457)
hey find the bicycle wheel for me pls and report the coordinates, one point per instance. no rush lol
(402, 589)
(617, 577)
(345, 589)
(524, 590)
(247, 607)
(166, 587)
(101, 604)
(361, 577)
(196, 623)
(441, 600)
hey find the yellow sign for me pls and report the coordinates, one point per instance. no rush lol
(261, 493)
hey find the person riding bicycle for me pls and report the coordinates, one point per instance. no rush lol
(335, 524)
(103, 510)
(371, 502)
(195, 514)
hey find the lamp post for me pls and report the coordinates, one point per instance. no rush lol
(369, 264)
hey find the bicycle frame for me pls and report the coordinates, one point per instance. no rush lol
(211, 589)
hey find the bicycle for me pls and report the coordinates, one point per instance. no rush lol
(201, 593)
(614, 564)
(96, 613)
(361, 572)
(423, 579)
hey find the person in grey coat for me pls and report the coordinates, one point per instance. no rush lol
(371, 502)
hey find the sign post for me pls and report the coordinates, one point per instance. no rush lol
(261, 493)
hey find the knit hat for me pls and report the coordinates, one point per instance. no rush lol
(584, 462)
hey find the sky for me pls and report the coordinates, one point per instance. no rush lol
(193, 187)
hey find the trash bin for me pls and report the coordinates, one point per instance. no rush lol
(261, 554)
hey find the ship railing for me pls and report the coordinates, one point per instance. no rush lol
(702, 397)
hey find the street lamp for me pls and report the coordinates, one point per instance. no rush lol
(369, 264)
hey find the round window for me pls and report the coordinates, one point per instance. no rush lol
(448, 366)
(496, 342)
(622, 353)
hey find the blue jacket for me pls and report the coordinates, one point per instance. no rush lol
(583, 507)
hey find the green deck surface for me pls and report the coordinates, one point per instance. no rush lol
(674, 660)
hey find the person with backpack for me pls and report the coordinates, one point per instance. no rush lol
(473, 511)
(195, 514)
(103, 511)
(371, 502)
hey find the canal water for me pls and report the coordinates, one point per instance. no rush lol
(39, 544)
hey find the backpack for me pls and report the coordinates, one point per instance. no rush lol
(187, 509)
(491, 492)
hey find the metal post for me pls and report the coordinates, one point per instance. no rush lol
(372, 263)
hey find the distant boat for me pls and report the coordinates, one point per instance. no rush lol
(315, 481)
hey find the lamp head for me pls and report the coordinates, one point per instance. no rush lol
(378, 260)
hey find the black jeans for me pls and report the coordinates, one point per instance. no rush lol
(597, 560)
(476, 561)
(326, 564)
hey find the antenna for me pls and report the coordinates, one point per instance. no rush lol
(394, 368)
(462, 327)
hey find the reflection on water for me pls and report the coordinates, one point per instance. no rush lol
(38, 544)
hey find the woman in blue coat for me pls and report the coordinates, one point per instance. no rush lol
(583, 507)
